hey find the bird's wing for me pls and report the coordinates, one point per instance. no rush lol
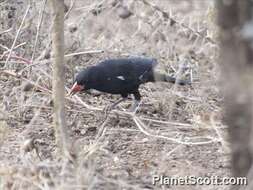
(130, 70)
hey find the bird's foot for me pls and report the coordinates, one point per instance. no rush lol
(135, 106)
(183, 82)
(109, 108)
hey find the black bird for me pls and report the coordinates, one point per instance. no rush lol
(121, 76)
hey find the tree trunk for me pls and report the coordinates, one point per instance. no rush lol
(59, 76)
(236, 60)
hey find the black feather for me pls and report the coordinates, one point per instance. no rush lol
(122, 76)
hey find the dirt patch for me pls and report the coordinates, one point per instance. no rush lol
(174, 133)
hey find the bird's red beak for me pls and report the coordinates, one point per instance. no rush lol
(75, 88)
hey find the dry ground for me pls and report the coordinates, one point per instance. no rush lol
(177, 131)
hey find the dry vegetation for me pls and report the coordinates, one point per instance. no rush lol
(177, 131)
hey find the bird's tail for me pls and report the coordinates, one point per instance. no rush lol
(166, 78)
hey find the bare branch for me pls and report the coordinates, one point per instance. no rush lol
(17, 34)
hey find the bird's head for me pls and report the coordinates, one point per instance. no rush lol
(80, 83)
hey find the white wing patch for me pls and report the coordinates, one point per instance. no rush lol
(120, 77)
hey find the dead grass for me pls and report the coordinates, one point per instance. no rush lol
(177, 131)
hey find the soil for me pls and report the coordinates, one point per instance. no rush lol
(176, 132)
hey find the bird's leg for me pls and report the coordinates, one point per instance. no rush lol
(111, 107)
(135, 106)
(136, 103)
(117, 102)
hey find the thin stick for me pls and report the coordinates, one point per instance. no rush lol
(18, 58)
(19, 45)
(38, 28)
(13, 74)
(84, 52)
(141, 125)
(5, 31)
(17, 34)
(4, 47)
(167, 16)
(8, 50)
(223, 142)
(70, 9)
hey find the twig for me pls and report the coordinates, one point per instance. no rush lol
(168, 16)
(13, 74)
(38, 28)
(4, 47)
(5, 31)
(223, 142)
(70, 9)
(17, 34)
(14, 62)
(18, 58)
(67, 55)
(141, 125)
(29, 181)
(167, 122)
(8, 50)
(84, 52)
(99, 137)
(17, 46)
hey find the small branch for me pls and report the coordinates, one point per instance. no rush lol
(17, 34)
(38, 28)
(141, 125)
(8, 50)
(84, 52)
(17, 58)
(223, 142)
(19, 45)
(168, 16)
(15, 75)
(4, 47)
(5, 31)
(70, 9)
